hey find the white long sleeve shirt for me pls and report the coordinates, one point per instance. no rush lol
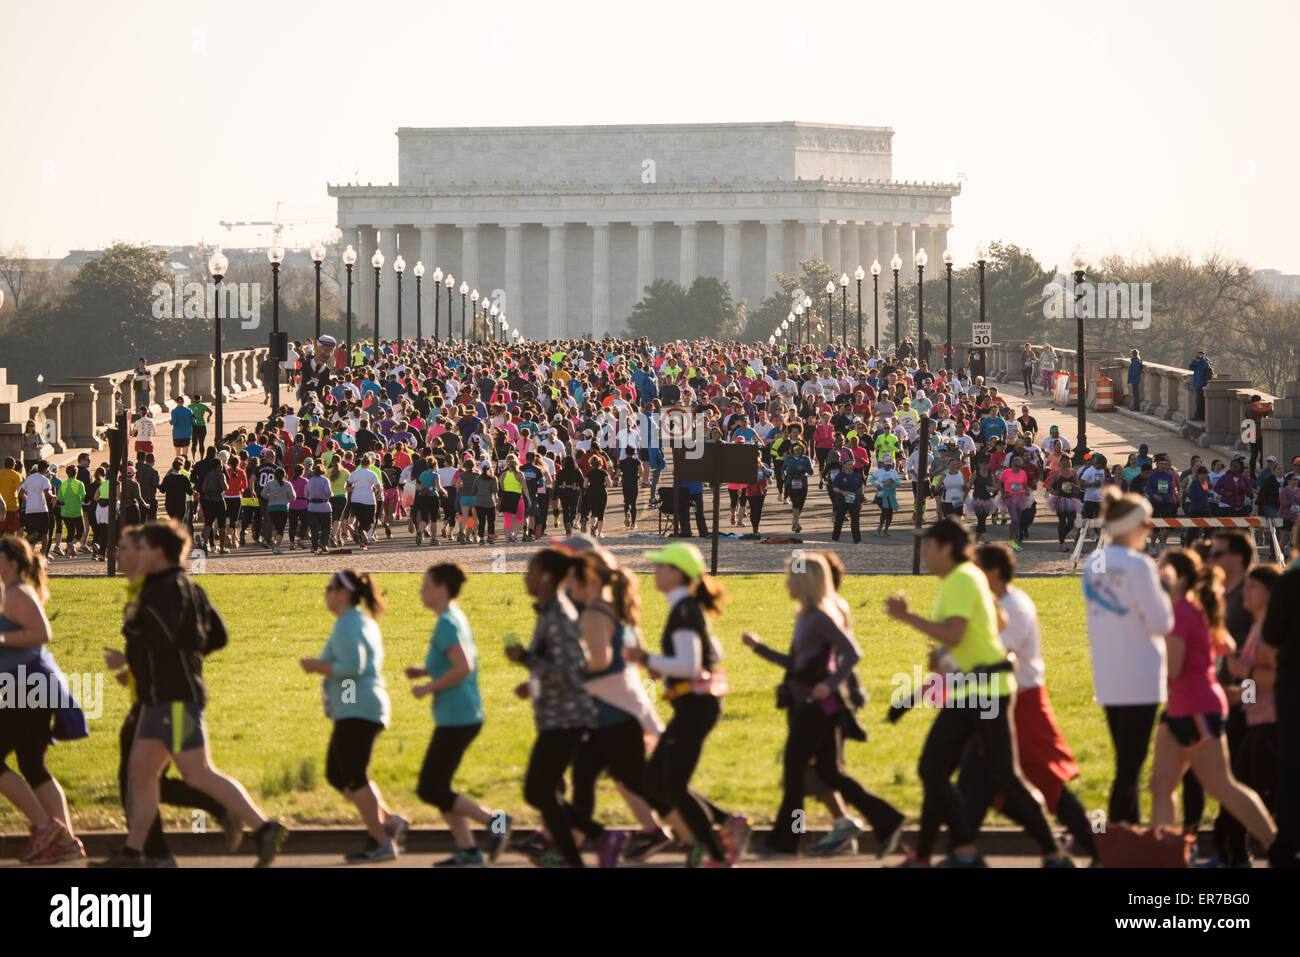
(1129, 614)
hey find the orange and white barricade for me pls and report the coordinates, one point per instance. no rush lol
(1271, 524)
(1061, 388)
(1105, 395)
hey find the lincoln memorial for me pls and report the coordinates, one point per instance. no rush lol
(564, 226)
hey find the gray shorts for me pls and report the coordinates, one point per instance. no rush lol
(177, 724)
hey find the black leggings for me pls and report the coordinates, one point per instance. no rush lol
(365, 516)
(172, 790)
(618, 748)
(669, 770)
(854, 513)
(755, 511)
(1130, 734)
(487, 521)
(977, 793)
(25, 733)
(1064, 524)
(347, 762)
(630, 491)
(569, 502)
(1254, 764)
(319, 523)
(441, 760)
(815, 736)
(552, 752)
(953, 728)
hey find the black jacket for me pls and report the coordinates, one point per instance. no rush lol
(172, 627)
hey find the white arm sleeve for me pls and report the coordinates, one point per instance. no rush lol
(685, 662)
(1152, 601)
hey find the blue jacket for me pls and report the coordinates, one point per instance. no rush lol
(1135, 371)
(1199, 367)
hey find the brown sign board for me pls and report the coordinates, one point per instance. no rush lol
(716, 462)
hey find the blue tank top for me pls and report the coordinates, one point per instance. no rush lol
(11, 658)
(606, 714)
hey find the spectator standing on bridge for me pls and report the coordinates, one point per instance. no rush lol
(1202, 373)
(140, 382)
(1259, 411)
(1047, 364)
(1027, 359)
(1135, 380)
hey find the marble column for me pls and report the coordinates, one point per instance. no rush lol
(555, 318)
(690, 233)
(906, 250)
(775, 255)
(923, 242)
(812, 240)
(851, 253)
(886, 245)
(513, 305)
(600, 303)
(428, 256)
(870, 248)
(831, 240)
(388, 284)
(469, 256)
(731, 257)
(645, 258)
(938, 243)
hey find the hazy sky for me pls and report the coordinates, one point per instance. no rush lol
(1126, 126)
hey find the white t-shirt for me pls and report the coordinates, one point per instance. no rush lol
(144, 429)
(1092, 474)
(1022, 639)
(364, 482)
(35, 485)
(291, 425)
(953, 483)
(1129, 615)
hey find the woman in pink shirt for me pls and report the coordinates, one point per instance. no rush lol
(1191, 730)
(823, 442)
(1016, 496)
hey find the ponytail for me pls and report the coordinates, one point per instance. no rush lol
(31, 566)
(361, 590)
(708, 591)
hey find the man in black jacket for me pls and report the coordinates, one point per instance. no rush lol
(170, 631)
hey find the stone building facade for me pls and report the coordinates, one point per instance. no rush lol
(564, 226)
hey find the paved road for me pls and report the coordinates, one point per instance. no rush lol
(1114, 433)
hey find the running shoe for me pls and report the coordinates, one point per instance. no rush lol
(42, 837)
(270, 838)
(765, 852)
(398, 828)
(120, 858)
(975, 860)
(535, 843)
(275, 550)
(890, 843)
(1015, 546)
(498, 834)
(233, 829)
(694, 854)
(912, 860)
(166, 862)
(463, 858)
(735, 837)
(643, 844)
(842, 839)
(374, 853)
(549, 859)
(66, 848)
(797, 528)
(609, 847)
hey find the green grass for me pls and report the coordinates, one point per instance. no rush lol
(267, 728)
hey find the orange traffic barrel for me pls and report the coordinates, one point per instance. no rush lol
(1105, 395)
(1074, 389)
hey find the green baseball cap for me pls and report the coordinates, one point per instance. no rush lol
(685, 557)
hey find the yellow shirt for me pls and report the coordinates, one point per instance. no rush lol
(964, 593)
(9, 482)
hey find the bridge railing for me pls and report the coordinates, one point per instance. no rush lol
(77, 413)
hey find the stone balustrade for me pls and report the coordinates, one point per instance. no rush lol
(76, 414)
(1167, 394)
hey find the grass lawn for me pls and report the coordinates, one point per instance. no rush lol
(267, 728)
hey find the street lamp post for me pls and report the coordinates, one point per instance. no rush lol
(896, 264)
(217, 266)
(451, 284)
(399, 267)
(798, 324)
(921, 260)
(473, 298)
(859, 274)
(419, 309)
(808, 311)
(493, 312)
(276, 255)
(437, 298)
(318, 257)
(1079, 260)
(464, 292)
(981, 257)
(377, 260)
(830, 309)
(947, 342)
(875, 296)
(349, 260)
(844, 306)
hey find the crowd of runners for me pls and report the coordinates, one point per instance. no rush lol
(480, 443)
(447, 439)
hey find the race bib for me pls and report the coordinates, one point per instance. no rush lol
(1295, 509)
(1067, 487)
(1017, 488)
(850, 498)
(796, 483)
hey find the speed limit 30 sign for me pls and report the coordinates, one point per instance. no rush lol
(981, 333)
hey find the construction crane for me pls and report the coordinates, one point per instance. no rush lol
(276, 224)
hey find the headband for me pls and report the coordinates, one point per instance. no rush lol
(342, 580)
(1126, 524)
